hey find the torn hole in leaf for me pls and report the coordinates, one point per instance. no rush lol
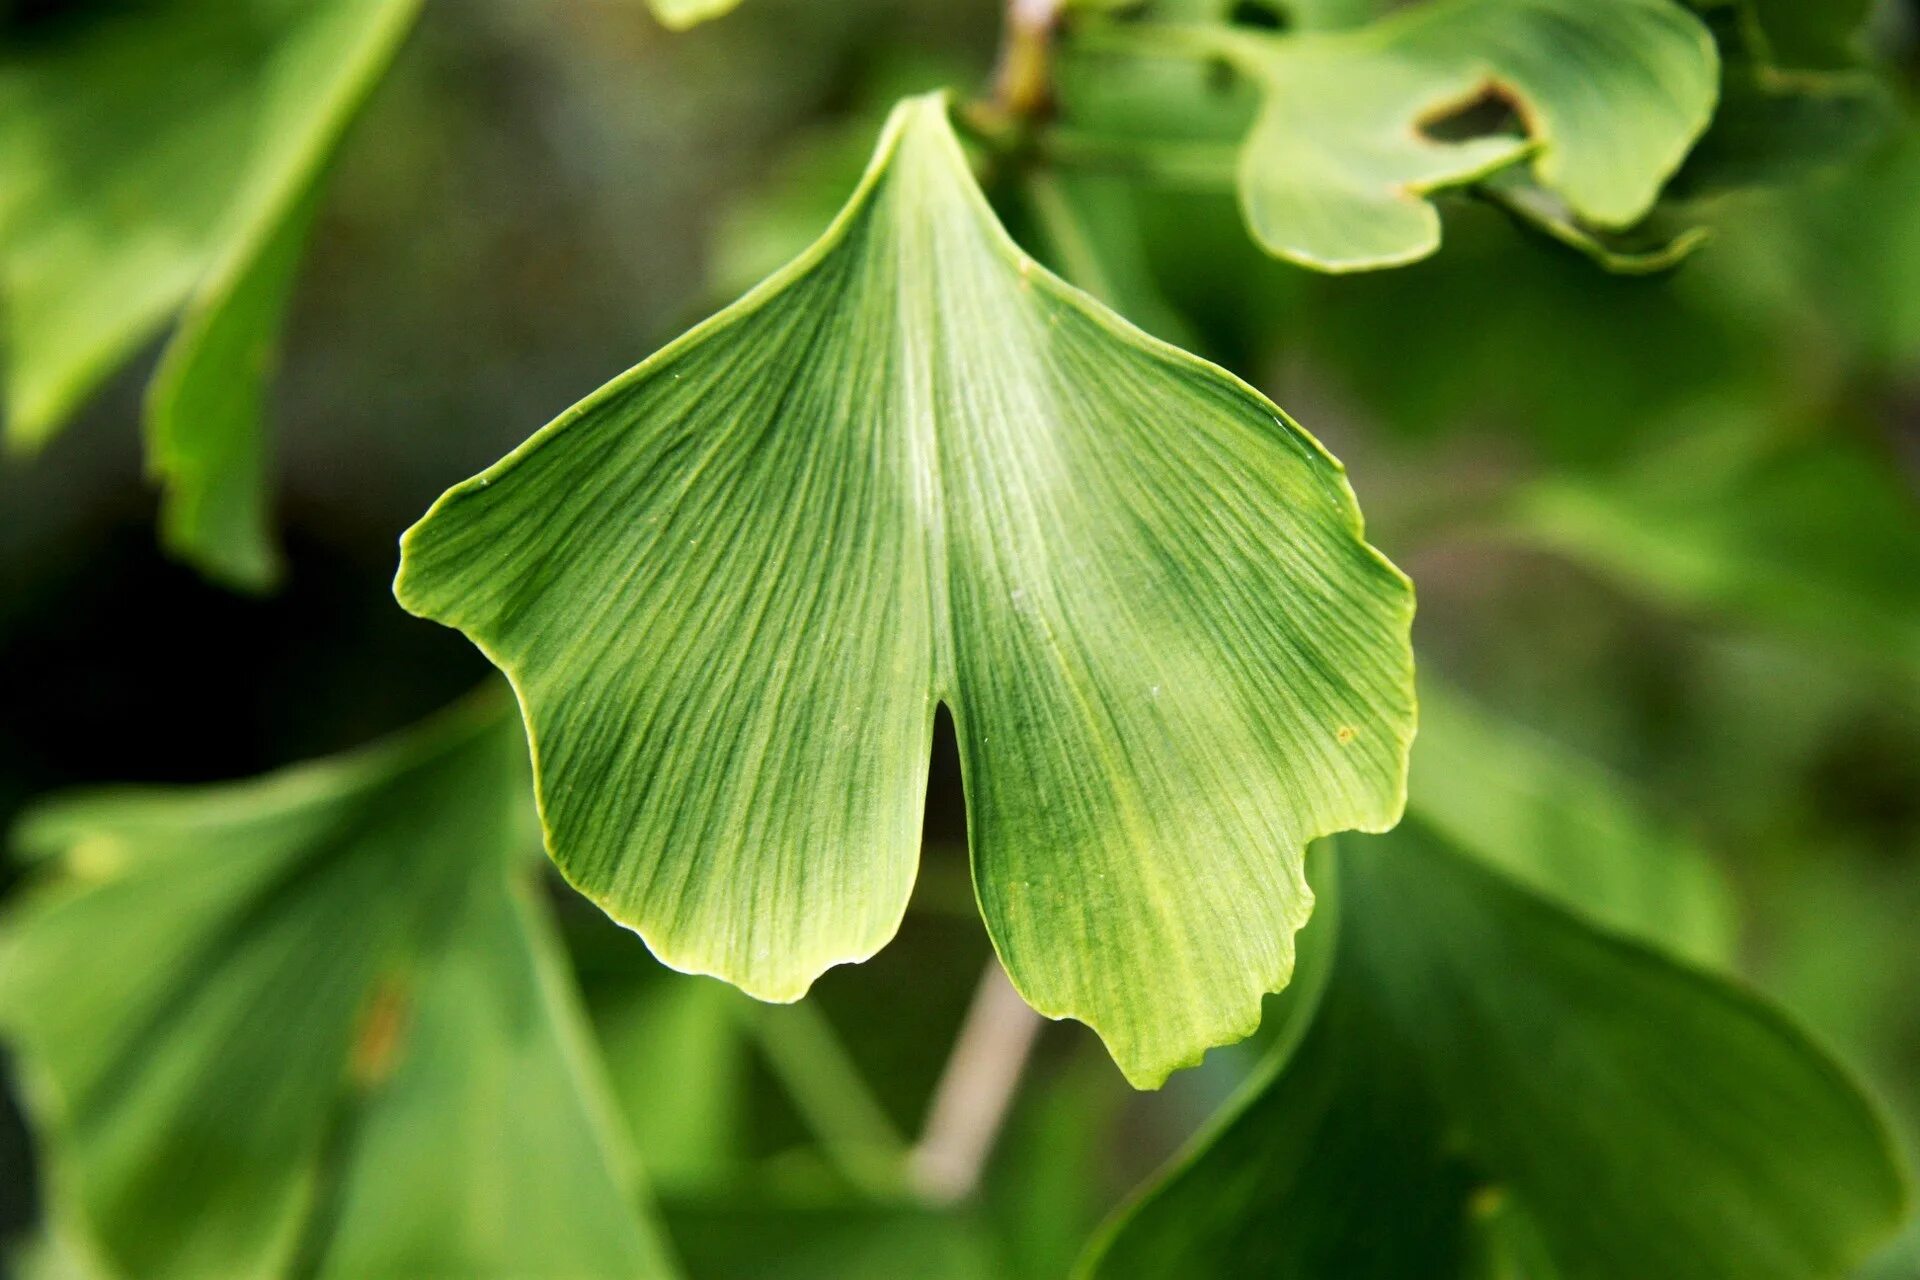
(1493, 110)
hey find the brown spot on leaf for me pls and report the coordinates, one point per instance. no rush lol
(376, 1042)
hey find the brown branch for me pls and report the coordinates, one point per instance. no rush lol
(976, 1090)
(1023, 77)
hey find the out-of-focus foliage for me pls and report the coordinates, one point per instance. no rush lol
(1561, 826)
(161, 155)
(1800, 33)
(1350, 137)
(548, 189)
(1371, 109)
(1168, 669)
(1811, 533)
(317, 1022)
(1489, 1087)
(681, 14)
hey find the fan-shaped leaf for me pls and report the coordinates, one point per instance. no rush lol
(1657, 244)
(158, 155)
(316, 1016)
(912, 468)
(1337, 171)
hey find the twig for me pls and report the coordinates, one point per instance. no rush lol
(1023, 80)
(827, 1089)
(975, 1091)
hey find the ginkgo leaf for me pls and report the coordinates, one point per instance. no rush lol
(1338, 168)
(1491, 1087)
(913, 468)
(681, 14)
(1644, 250)
(205, 412)
(317, 1017)
(162, 155)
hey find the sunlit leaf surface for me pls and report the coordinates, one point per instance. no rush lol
(681, 14)
(1350, 140)
(1492, 1088)
(912, 468)
(160, 155)
(317, 1024)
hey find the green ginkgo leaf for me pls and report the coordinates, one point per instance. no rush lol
(317, 1023)
(913, 468)
(1490, 1087)
(206, 445)
(1656, 244)
(1337, 171)
(161, 156)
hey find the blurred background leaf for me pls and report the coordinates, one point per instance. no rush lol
(317, 1024)
(1489, 1088)
(159, 155)
(586, 184)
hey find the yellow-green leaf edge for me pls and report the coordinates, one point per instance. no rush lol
(931, 111)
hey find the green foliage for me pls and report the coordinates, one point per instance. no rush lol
(837, 1244)
(1569, 117)
(335, 1022)
(1794, 95)
(163, 155)
(1491, 1087)
(685, 1041)
(206, 414)
(914, 468)
(1657, 244)
(1800, 33)
(1561, 826)
(1810, 534)
(1337, 168)
(317, 1022)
